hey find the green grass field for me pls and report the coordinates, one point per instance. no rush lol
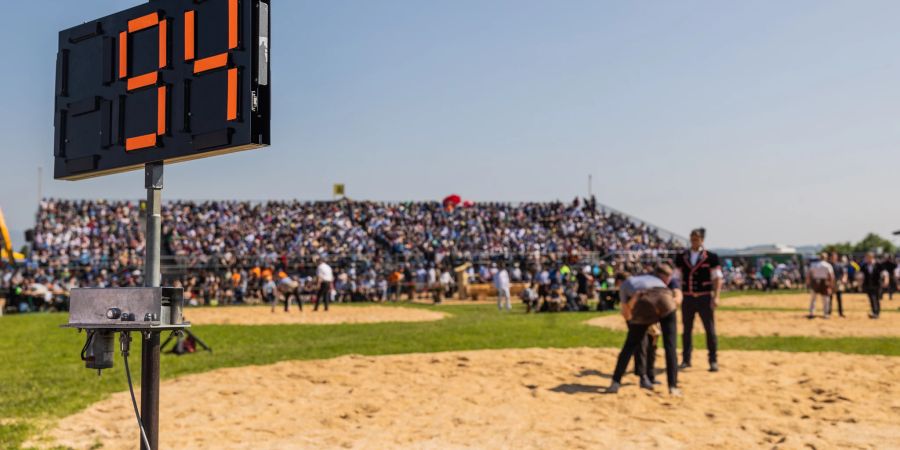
(42, 377)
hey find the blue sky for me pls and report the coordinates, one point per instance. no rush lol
(764, 121)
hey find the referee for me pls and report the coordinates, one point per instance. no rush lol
(325, 276)
(701, 275)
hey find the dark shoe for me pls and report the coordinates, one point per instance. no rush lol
(646, 383)
(613, 388)
(684, 365)
(713, 367)
(810, 317)
(656, 382)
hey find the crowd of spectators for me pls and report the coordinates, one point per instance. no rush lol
(228, 250)
(762, 274)
(231, 252)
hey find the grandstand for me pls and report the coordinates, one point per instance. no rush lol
(81, 243)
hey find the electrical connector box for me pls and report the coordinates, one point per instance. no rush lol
(127, 309)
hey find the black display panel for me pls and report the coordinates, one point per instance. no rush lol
(170, 80)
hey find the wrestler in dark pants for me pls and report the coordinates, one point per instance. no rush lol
(645, 358)
(840, 302)
(287, 299)
(702, 305)
(636, 334)
(874, 301)
(871, 283)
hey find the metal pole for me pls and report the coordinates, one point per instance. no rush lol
(590, 185)
(153, 182)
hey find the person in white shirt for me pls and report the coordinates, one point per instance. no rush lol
(447, 283)
(543, 281)
(268, 289)
(516, 273)
(501, 282)
(325, 277)
(820, 278)
(529, 295)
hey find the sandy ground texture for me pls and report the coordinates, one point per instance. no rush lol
(853, 303)
(783, 323)
(263, 315)
(513, 399)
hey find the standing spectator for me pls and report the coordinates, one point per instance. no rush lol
(325, 277)
(840, 281)
(889, 265)
(344, 287)
(395, 280)
(853, 274)
(409, 282)
(516, 273)
(421, 281)
(584, 281)
(501, 282)
(767, 271)
(268, 290)
(871, 284)
(433, 279)
(896, 274)
(238, 286)
(543, 280)
(572, 298)
(382, 287)
(820, 279)
(447, 283)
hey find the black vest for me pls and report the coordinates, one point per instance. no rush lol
(697, 279)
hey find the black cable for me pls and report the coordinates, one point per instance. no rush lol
(125, 340)
(87, 344)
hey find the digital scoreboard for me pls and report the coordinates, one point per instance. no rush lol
(167, 81)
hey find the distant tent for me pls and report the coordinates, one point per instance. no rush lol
(767, 250)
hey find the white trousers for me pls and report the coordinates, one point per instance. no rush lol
(503, 300)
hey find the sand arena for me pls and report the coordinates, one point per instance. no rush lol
(515, 399)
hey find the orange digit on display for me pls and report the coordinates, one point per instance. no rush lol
(147, 79)
(219, 61)
(189, 35)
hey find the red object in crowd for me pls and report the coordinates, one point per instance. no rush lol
(468, 204)
(452, 200)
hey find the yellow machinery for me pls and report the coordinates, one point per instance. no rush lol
(6, 248)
